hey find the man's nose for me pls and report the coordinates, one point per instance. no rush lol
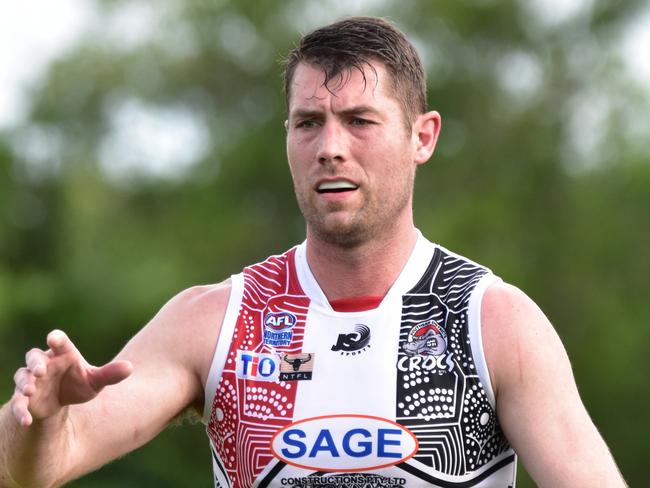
(332, 143)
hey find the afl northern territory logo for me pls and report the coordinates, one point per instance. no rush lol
(353, 343)
(278, 328)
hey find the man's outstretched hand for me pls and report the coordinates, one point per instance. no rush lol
(58, 377)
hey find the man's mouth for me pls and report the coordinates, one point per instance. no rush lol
(339, 186)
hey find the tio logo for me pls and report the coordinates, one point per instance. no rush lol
(257, 366)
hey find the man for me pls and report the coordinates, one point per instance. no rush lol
(365, 355)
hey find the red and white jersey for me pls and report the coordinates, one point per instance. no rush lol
(300, 395)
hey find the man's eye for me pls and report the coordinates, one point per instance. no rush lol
(307, 124)
(359, 121)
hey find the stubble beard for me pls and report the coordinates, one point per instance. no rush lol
(351, 231)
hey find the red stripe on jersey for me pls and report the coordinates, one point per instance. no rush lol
(247, 412)
(356, 304)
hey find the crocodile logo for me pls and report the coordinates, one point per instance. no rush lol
(426, 339)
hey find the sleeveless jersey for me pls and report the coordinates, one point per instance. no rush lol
(300, 395)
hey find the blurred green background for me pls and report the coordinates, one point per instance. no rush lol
(152, 158)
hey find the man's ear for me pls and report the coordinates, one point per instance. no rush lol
(425, 133)
(286, 124)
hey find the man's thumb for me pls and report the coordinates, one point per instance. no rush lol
(110, 373)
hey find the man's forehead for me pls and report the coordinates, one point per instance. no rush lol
(309, 83)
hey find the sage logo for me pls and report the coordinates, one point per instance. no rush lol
(344, 443)
(355, 342)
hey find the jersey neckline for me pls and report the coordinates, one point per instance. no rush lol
(356, 304)
(419, 259)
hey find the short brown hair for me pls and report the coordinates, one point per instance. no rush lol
(354, 43)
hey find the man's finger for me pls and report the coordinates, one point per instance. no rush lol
(25, 382)
(35, 359)
(59, 342)
(110, 374)
(21, 378)
(19, 407)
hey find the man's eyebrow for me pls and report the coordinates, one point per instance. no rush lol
(303, 113)
(346, 112)
(359, 110)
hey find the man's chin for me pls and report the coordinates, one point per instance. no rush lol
(340, 233)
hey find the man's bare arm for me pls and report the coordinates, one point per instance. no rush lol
(538, 403)
(170, 358)
(49, 382)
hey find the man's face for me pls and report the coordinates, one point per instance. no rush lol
(350, 155)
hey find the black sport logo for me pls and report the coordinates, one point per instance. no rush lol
(355, 342)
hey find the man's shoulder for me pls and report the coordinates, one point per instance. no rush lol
(506, 306)
(200, 302)
(505, 309)
(503, 299)
(516, 334)
(189, 325)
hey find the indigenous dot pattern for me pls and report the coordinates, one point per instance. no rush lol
(441, 399)
(246, 413)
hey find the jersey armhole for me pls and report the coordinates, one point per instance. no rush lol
(475, 335)
(223, 344)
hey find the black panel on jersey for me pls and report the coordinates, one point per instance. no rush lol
(440, 398)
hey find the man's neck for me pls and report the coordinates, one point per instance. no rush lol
(368, 269)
